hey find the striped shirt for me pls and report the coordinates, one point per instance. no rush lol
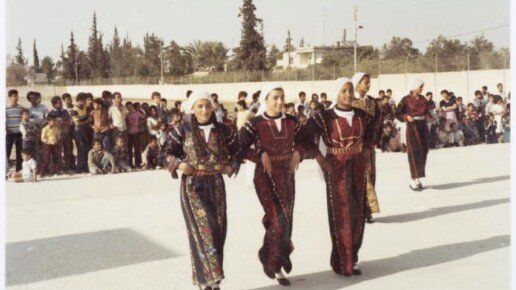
(13, 118)
(79, 114)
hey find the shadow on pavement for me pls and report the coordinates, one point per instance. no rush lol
(475, 181)
(327, 280)
(438, 211)
(55, 257)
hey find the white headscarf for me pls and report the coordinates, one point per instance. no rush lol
(414, 84)
(195, 96)
(263, 95)
(337, 85)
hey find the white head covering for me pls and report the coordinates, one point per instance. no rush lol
(357, 77)
(337, 85)
(415, 83)
(263, 95)
(195, 96)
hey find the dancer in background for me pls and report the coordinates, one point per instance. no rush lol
(413, 110)
(372, 135)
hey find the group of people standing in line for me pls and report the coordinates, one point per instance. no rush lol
(342, 138)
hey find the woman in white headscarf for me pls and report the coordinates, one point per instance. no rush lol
(342, 129)
(204, 150)
(362, 83)
(277, 155)
(413, 111)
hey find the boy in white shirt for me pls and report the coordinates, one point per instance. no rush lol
(28, 172)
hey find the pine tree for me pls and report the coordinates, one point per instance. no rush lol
(272, 58)
(115, 56)
(251, 54)
(71, 62)
(37, 68)
(48, 67)
(288, 48)
(20, 58)
(96, 53)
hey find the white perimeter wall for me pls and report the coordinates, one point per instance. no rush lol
(461, 83)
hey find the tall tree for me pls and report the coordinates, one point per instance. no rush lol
(20, 58)
(177, 60)
(115, 56)
(48, 67)
(251, 54)
(288, 48)
(151, 62)
(96, 53)
(36, 58)
(71, 62)
(272, 58)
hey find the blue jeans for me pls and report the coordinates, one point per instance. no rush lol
(105, 138)
(81, 141)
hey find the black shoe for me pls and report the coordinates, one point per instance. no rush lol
(415, 188)
(356, 270)
(283, 281)
(420, 186)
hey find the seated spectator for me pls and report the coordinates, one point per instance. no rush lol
(151, 153)
(121, 156)
(176, 118)
(456, 136)
(443, 136)
(290, 109)
(391, 139)
(471, 133)
(99, 160)
(29, 169)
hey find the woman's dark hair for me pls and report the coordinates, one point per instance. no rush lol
(199, 146)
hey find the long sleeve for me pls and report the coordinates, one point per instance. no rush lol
(91, 164)
(174, 151)
(401, 111)
(233, 146)
(247, 137)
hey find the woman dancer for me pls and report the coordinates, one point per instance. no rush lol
(342, 129)
(413, 110)
(204, 150)
(276, 154)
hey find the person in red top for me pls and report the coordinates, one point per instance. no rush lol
(413, 110)
(101, 129)
(133, 120)
(277, 154)
(342, 129)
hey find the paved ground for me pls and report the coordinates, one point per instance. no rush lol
(127, 231)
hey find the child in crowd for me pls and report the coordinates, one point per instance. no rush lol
(64, 122)
(442, 134)
(51, 140)
(28, 172)
(490, 129)
(152, 121)
(175, 118)
(150, 154)
(29, 131)
(456, 136)
(99, 160)
(121, 156)
(162, 134)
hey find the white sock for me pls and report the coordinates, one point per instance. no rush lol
(413, 183)
(279, 275)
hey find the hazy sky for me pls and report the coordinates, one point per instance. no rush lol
(50, 21)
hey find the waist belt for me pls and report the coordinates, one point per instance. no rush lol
(418, 118)
(206, 172)
(355, 149)
(282, 157)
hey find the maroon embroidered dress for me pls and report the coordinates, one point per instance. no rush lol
(203, 195)
(345, 184)
(372, 135)
(417, 132)
(276, 194)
